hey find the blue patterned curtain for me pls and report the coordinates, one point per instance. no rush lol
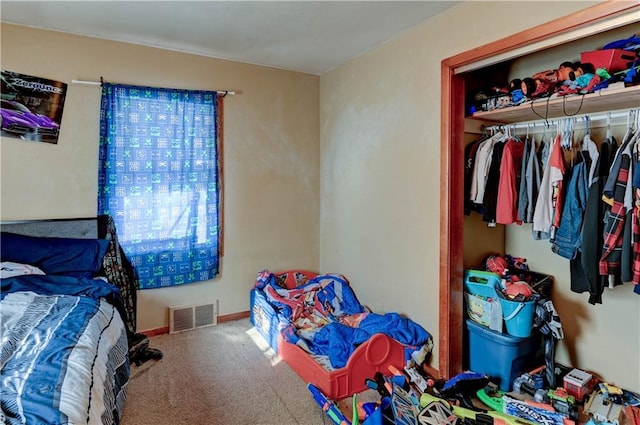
(158, 180)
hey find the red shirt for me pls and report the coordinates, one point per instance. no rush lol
(557, 175)
(507, 207)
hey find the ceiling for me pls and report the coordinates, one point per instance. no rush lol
(304, 36)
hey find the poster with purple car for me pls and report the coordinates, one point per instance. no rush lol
(31, 107)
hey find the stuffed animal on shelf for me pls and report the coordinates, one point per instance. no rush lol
(582, 80)
(544, 83)
(570, 77)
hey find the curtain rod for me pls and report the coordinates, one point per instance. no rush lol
(99, 83)
(602, 116)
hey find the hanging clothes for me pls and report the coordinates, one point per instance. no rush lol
(636, 221)
(590, 211)
(609, 187)
(627, 266)
(616, 250)
(530, 178)
(525, 181)
(549, 197)
(585, 272)
(470, 152)
(481, 168)
(590, 146)
(558, 170)
(568, 240)
(509, 182)
(490, 201)
(533, 174)
(541, 162)
(611, 259)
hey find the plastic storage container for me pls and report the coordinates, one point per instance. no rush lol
(503, 357)
(518, 317)
(613, 60)
(480, 297)
(479, 282)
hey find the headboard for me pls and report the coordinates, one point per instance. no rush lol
(117, 269)
(82, 228)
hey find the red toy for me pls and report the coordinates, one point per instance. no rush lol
(544, 83)
(517, 287)
(578, 383)
(547, 82)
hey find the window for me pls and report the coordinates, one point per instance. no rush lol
(159, 180)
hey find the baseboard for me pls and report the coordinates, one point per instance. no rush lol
(233, 317)
(155, 332)
(431, 371)
(221, 319)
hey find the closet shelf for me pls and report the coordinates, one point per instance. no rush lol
(609, 99)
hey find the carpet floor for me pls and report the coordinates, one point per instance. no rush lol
(223, 374)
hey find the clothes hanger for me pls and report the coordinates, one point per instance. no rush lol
(514, 136)
(586, 140)
(629, 132)
(566, 134)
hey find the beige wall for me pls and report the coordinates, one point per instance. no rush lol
(271, 162)
(379, 162)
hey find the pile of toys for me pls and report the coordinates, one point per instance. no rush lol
(616, 62)
(410, 398)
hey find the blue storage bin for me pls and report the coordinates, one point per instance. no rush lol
(501, 356)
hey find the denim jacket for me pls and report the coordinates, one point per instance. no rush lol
(569, 235)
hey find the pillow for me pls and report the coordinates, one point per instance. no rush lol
(60, 256)
(10, 269)
(293, 278)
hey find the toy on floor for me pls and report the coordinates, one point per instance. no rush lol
(547, 321)
(610, 393)
(578, 383)
(462, 386)
(633, 415)
(538, 413)
(328, 406)
(601, 410)
(437, 411)
(534, 410)
(562, 402)
(532, 383)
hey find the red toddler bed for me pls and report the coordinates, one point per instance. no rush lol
(318, 327)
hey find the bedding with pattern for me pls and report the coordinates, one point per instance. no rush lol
(63, 342)
(325, 318)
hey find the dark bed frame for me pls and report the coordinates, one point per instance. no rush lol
(83, 228)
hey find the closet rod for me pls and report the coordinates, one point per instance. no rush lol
(99, 83)
(602, 116)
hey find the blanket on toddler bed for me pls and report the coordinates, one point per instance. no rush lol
(325, 317)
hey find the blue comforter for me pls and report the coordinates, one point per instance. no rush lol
(63, 351)
(339, 341)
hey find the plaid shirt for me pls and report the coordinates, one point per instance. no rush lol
(636, 240)
(612, 248)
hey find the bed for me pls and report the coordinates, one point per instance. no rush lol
(316, 324)
(64, 339)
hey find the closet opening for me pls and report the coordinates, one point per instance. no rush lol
(457, 80)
